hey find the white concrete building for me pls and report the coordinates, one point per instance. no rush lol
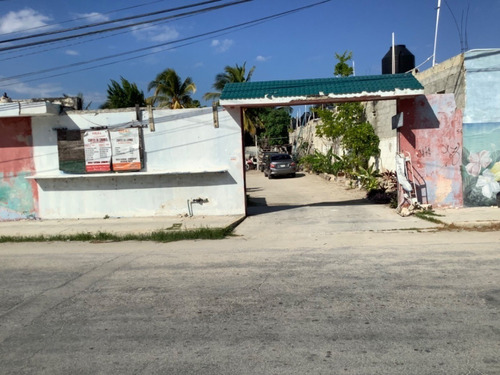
(191, 163)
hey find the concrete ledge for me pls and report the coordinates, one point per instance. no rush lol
(61, 175)
(469, 216)
(121, 226)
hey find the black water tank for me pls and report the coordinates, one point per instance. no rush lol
(405, 61)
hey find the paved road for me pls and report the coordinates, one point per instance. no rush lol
(352, 301)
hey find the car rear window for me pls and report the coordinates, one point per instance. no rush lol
(281, 157)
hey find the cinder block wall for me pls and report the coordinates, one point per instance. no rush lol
(379, 114)
(447, 77)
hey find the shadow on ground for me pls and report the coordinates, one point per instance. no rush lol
(258, 206)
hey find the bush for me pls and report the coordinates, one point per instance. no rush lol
(321, 163)
(368, 177)
(386, 190)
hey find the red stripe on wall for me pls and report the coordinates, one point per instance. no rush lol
(16, 153)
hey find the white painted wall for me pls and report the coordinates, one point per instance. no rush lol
(483, 96)
(182, 159)
(380, 114)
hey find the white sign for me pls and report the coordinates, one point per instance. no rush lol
(397, 121)
(97, 151)
(126, 154)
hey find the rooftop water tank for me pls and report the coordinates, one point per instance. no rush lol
(405, 60)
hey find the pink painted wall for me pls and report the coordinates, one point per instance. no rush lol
(432, 135)
(18, 196)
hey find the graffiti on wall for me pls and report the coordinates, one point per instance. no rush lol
(15, 203)
(18, 195)
(481, 164)
(432, 138)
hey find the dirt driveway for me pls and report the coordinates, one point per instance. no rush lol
(309, 204)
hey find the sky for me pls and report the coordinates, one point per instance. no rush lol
(283, 39)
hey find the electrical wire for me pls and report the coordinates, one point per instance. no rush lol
(102, 23)
(122, 26)
(430, 57)
(224, 30)
(87, 40)
(73, 43)
(123, 60)
(81, 18)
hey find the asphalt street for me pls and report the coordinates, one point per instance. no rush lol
(314, 281)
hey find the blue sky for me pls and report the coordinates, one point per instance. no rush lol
(299, 45)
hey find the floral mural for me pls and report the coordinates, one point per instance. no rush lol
(481, 164)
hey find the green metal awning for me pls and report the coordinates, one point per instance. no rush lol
(323, 90)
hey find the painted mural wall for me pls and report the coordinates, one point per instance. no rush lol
(18, 195)
(432, 137)
(185, 158)
(481, 150)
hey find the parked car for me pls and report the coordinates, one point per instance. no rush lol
(265, 159)
(280, 165)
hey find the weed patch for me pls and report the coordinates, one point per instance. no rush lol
(167, 235)
(429, 216)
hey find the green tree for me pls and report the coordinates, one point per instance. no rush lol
(237, 74)
(276, 122)
(231, 74)
(123, 96)
(346, 125)
(171, 91)
(361, 144)
(342, 69)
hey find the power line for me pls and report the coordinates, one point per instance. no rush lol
(224, 30)
(87, 40)
(81, 18)
(122, 26)
(102, 23)
(71, 44)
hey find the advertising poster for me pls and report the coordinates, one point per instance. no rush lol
(126, 154)
(97, 151)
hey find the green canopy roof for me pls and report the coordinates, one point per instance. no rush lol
(323, 90)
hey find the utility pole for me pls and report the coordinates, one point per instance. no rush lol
(393, 55)
(436, 34)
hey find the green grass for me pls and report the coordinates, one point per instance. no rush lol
(429, 216)
(156, 236)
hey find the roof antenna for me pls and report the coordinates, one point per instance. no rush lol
(436, 34)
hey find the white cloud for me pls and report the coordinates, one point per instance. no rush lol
(159, 34)
(199, 65)
(22, 20)
(93, 17)
(24, 91)
(262, 58)
(222, 46)
(72, 52)
(94, 99)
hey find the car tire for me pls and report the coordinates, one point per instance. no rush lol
(293, 175)
(270, 176)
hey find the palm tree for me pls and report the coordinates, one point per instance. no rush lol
(123, 96)
(232, 74)
(170, 91)
(236, 74)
